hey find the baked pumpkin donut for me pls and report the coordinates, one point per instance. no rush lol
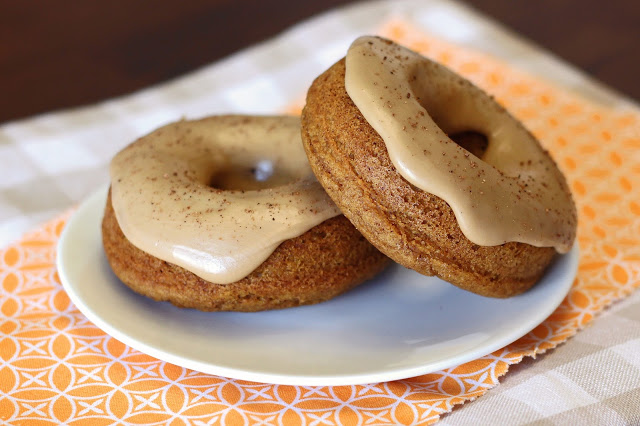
(379, 129)
(224, 213)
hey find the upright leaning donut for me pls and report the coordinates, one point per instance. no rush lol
(224, 213)
(378, 128)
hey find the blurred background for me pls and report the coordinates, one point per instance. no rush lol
(69, 53)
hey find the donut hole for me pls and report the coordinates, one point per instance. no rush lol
(260, 175)
(474, 142)
(454, 105)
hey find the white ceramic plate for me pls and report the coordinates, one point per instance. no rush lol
(399, 325)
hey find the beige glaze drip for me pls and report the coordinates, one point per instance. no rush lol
(165, 206)
(513, 193)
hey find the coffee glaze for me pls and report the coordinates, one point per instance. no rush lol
(514, 192)
(217, 196)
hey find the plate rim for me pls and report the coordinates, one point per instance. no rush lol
(255, 375)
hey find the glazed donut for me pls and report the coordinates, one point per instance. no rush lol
(224, 213)
(379, 129)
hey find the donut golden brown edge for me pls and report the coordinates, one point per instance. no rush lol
(316, 266)
(414, 228)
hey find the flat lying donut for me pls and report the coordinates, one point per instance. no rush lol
(413, 226)
(171, 236)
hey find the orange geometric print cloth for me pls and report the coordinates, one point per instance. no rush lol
(56, 367)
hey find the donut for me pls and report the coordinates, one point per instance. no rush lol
(434, 172)
(224, 213)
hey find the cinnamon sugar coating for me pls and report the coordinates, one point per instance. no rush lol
(413, 227)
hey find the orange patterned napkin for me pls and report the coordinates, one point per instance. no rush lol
(57, 367)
